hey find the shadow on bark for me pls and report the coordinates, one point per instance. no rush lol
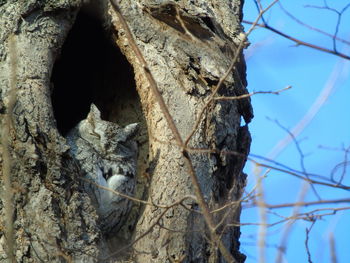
(90, 69)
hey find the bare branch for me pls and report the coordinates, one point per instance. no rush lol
(311, 27)
(304, 204)
(339, 17)
(277, 92)
(298, 41)
(308, 230)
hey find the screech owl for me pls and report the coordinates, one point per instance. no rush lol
(107, 155)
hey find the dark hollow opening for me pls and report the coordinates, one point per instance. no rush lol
(91, 69)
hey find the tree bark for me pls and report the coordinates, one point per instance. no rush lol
(188, 47)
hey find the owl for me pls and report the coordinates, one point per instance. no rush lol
(107, 155)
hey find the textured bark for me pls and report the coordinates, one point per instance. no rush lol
(179, 65)
(54, 220)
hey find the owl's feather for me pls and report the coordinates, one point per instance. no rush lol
(107, 155)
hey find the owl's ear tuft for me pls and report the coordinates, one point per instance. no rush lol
(94, 113)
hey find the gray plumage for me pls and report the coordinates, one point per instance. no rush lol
(107, 155)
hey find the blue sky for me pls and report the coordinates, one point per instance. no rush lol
(274, 63)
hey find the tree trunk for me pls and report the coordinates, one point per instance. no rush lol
(55, 63)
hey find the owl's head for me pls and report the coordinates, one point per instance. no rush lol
(106, 137)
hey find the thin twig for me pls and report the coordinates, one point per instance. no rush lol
(304, 204)
(307, 216)
(298, 41)
(308, 230)
(339, 17)
(302, 156)
(136, 200)
(139, 237)
(286, 170)
(344, 187)
(277, 92)
(311, 27)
